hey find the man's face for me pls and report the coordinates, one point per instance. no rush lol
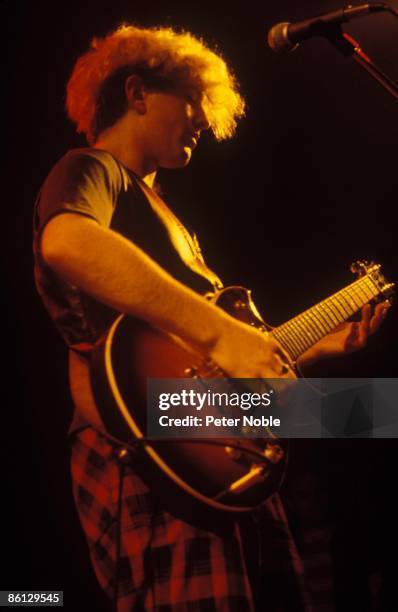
(174, 122)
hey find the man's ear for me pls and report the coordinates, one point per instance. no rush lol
(135, 93)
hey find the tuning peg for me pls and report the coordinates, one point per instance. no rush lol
(388, 289)
(359, 267)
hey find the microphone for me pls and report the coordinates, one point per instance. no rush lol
(286, 36)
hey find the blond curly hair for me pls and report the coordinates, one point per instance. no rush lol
(164, 59)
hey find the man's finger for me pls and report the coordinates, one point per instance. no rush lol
(364, 325)
(379, 316)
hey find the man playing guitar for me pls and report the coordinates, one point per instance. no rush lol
(106, 243)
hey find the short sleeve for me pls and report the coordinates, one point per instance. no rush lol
(89, 182)
(86, 182)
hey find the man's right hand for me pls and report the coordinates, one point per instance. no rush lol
(245, 352)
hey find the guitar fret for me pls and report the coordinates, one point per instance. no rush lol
(339, 308)
(300, 335)
(306, 338)
(328, 313)
(343, 304)
(313, 329)
(296, 336)
(324, 317)
(351, 300)
(293, 339)
(334, 318)
(300, 340)
(367, 290)
(292, 349)
(318, 329)
(332, 305)
(371, 286)
(285, 341)
(359, 291)
(356, 296)
(291, 342)
(308, 333)
(348, 308)
(346, 304)
(290, 336)
(359, 299)
(354, 291)
(319, 320)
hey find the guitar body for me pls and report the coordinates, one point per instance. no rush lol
(204, 470)
(233, 475)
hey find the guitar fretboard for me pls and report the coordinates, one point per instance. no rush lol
(300, 333)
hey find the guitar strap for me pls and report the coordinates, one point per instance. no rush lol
(187, 246)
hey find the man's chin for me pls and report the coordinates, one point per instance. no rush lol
(181, 161)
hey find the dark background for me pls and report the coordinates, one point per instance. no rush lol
(307, 186)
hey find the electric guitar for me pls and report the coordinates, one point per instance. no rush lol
(233, 475)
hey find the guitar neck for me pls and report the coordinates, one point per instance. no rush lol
(303, 331)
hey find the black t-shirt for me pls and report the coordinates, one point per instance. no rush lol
(93, 183)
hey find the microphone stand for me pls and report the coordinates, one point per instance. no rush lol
(349, 47)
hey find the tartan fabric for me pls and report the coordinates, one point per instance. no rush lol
(167, 565)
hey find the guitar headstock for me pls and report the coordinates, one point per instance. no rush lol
(371, 269)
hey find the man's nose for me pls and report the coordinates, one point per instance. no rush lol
(200, 119)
